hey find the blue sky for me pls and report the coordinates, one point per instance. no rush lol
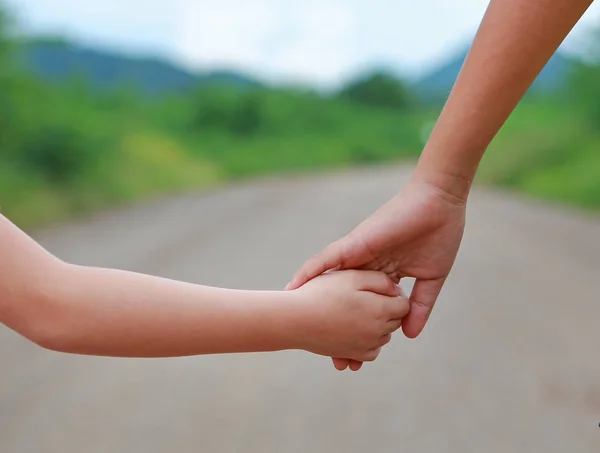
(310, 41)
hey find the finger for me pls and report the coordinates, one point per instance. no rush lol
(329, 258)
(340, 364)
(377, 282)
(355, 365)
(422, 300)
(398, 307)
(393, 325)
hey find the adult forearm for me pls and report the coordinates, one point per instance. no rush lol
(117, 313)
(515, 41)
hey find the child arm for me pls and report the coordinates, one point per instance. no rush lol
(108, 312)
(95, 311)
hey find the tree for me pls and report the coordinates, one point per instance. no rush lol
(224, 108)
(378, 89)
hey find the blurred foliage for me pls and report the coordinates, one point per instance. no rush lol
(67, 148)
(584, 89)
(378, 90)
(550, 148)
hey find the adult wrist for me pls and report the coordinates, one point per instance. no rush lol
(452, 185)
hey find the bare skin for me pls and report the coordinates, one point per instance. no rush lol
(418, 233)
(108, 312)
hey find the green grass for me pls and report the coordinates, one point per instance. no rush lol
(141, 165)
(547, 150)
(575, 182)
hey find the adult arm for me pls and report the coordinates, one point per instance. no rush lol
(418, 233)
(515, 41)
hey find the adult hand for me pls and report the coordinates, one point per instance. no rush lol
(417, 234)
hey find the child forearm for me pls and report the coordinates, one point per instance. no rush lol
(95, 311)
(123, 314)
(516, 39)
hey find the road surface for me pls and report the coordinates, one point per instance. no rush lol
(510, 361)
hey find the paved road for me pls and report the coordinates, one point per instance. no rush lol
(510, 361)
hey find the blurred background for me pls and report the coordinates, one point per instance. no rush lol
(162, 137)
(109, 102)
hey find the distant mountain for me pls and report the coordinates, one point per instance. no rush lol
(436, 85)
(57, 60)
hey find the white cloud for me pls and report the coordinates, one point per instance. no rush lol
(291, 39)
(321, 41)
(224, 32)
(317, 45)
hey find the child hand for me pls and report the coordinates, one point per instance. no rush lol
(354, 365)
(350, 314)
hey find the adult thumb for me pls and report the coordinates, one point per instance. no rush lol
(328, 259)
(422, 300)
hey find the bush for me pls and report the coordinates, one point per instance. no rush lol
(377, 90)
(585, 92)
(237, 113)
(59, 152)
